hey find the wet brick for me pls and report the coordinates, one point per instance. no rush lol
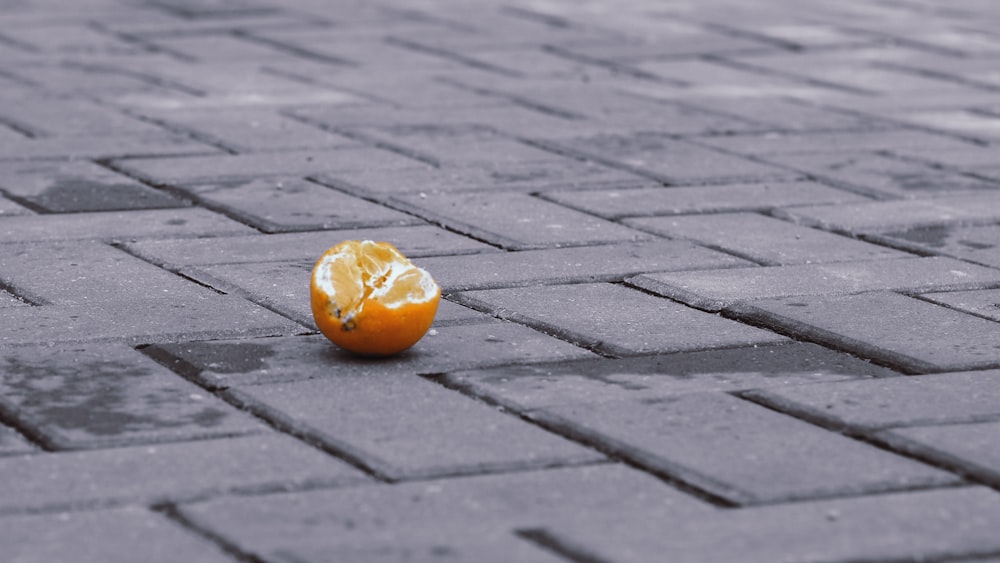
(447, 512)
(936, 524)
(104, 536)
(539, 223)
(892, 402)
(83, 397)
(165, 473)
(432, 431)
(717, 289)
(975, 243)
(594, 380)
(111, 225)
(571, 265)
(290, 204)
(613, 319)
(751, 455)
(78, 186)
(763, 239)
(225, 363)
(648, 201)
(881, 326)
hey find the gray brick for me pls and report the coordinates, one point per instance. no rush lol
(523, 176)
(217, 168)
(10, 300)
(764, 240)
(881, 216)
(971, 449)
(517, 221)
(78, 186)
(217, 48)
(811, 142)
(524, 387)
(445, 511)
(104, 536)
(87, 273)
(432, 431)
(958, 121)
(165, 472)
(253, 129)
(779, 114)
(646, 201)
(659, 157)
(937, 524)
(682, 39)
(880, 176)
(225, 363)
(892, 402)
(111, 225)
(983, 303)
(974, 243)
(614, 319)
(570, 265)
(754, 456)
(717, 289)
(83, 397)
(413, 241)
(10, 209)
(291, 204)
(881, 326)
(452, 145)
(46, 115)
(13, 443)
(106, 147)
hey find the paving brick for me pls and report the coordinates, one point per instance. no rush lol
(523, 387)
(662, 158)
(448, 512)
(983, 303)
(252, 129)
(13, 443)
(882, 216)
(10, 300)
(45, 115)
(780, 114)
(740, 459)
(413, 241)
(937, 524)
(112, 225)
(682, 39)
(104, 536)
(432, 431)
(970, 449)
(78, 186)
(973, 243)
(536, 223)
(614, 319)
(105, 147)
(522, 176)
(142, 321)
(616, 202)
(979, 126)
(165, 473)
(225, 363)
(572, 265)
(217, 48)
(809, 142)
(763, 239)
(84, 272)
(291, 204)
(216, 168)
(881, 176)
(891, 402)
(451, 145)
(717, 289)
(84, 397)
(880, 326)
(9, 209)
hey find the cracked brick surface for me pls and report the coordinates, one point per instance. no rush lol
(721, 280)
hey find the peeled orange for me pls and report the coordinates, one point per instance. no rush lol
(370, 299)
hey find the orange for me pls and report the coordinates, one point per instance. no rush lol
(370, 299)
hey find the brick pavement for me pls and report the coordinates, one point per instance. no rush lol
(722, 280)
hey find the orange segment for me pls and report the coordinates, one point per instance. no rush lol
(370, 299)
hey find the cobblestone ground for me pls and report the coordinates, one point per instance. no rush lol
(722, 280)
